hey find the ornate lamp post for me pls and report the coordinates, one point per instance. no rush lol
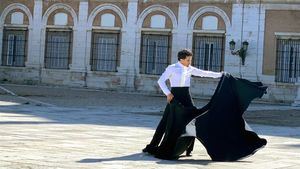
(241, 52)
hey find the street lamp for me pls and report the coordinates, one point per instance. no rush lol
(241, 52)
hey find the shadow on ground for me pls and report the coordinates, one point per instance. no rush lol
(127, 110)
(146, 157)
(289, 118)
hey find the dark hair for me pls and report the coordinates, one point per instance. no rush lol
(182, 54)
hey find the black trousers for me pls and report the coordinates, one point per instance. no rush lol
(181, 94)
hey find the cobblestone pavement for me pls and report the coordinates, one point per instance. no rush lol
(99, 129)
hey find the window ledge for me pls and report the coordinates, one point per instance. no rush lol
(13, 67)
(210, 31)
(15, 27)
(287, 35)
(59, 27)
(156, 30)
(107, 28)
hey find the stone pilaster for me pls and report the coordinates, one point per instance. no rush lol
(34, 36)
(128, 55)
(80, 41)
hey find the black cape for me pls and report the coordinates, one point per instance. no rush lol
(219, 125)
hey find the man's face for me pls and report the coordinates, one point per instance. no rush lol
(187, 61)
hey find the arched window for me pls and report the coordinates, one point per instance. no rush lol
(17, 18)
(58, 44)
(60, 19)
(158, 21)
(155, 52)
(105, 46)
(156, 39)
(208, 48)
(210, 23)
(108, 20)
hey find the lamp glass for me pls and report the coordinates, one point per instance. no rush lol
(245, 45)
(232, 45)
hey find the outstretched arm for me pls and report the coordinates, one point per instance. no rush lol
(205, 73)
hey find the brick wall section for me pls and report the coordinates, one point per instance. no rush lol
(51, 17)
(97, 20)
(72, 3)
(121, 4)
(8, 17)
(227, 7)
(172, 5)
(147, 20)
(28, 3)
(221, 24)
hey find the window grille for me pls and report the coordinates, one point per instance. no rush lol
(105, 49)
(287, 60)
(14, 48)
(58, 49)
(208, 52)
(155, 51)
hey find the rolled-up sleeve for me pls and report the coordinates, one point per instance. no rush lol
(205, 73)
(162, 80)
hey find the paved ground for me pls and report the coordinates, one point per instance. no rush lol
(46, 127)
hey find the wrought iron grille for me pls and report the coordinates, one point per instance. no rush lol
(58, 49)
(155, 54)
(105, 50)
(287, 60)
(208, 52)
(14, 48)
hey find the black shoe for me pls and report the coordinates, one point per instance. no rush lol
(145, 150)
(150, 149)
(188, 154)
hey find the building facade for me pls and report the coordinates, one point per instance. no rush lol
(125, 45)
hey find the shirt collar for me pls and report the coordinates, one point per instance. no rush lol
(181, 65)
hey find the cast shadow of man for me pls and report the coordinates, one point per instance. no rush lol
(146, 157)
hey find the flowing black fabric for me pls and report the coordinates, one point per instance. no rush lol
(219, 125)
(178, 117)
(181, 95)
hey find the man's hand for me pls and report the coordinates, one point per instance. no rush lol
(170, 97)
(225, 73)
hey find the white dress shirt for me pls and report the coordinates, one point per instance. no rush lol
(180, 76)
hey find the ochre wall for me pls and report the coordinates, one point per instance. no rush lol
(277, 21)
